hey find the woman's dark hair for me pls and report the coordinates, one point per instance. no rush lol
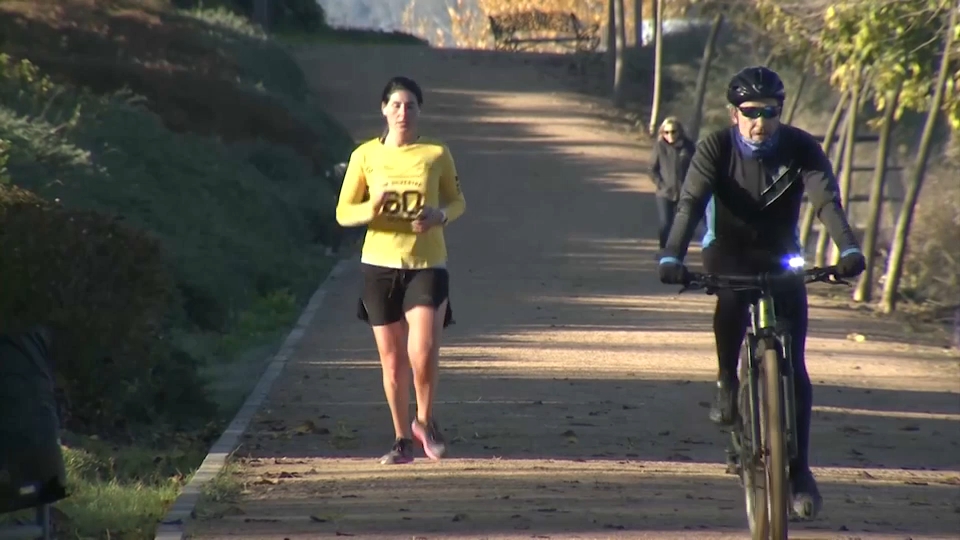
(402, 83)
(399, 83)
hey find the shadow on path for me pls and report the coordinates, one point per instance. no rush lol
(574, 386)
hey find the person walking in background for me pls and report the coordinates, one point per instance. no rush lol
(405, 189)
(668, 166)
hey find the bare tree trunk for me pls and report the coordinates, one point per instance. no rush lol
(620, 25)
(261, 13)
(898, 248)
(808, 215)
(846, 176)
(771, 56)
(655, 29)
(864, 291)
(611, 40)
(709, 51)
(638, 23)
(657, 65)
(792, 108)
(838, 152)
(822, 248)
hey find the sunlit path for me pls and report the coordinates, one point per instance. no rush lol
(574, 386)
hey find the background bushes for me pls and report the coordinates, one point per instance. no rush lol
(105, 291)
(302, 15)
(165, 203)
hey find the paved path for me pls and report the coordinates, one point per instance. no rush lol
(574, 386)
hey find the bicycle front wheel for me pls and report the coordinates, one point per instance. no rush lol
(751, 456)
(774, 442)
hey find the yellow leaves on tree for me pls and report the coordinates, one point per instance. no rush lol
(952, 101)
(887, 44)
(897, 43)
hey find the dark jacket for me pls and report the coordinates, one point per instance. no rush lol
(754, 203)
(669, 164)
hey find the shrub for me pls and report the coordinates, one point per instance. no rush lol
(4, 156)
(259, 61)
(303, 15)
(105, 291)
(231, 232)
(932, 269)
(238, 205)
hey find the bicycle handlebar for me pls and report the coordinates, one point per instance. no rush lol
(712, 282)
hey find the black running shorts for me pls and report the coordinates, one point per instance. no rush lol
(388, 293)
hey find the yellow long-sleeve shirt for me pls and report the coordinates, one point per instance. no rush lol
(414, 175)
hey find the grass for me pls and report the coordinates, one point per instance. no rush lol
(218, 496)
(117, 491)
(121, 490)
(201, 130)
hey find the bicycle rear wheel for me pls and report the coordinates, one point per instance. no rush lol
(774, 442)
(752, 474)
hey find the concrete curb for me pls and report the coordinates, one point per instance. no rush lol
(171, 526)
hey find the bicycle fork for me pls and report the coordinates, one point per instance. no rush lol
(789, 395)
(753, 394)
(763, 335)
(766, 332)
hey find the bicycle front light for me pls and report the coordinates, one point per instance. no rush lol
(795, 262)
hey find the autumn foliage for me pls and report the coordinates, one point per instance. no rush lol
(469, 27)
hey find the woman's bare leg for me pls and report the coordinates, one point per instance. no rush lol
(392, 346)
(423, 349)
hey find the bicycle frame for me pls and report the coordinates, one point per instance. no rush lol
(765, 330)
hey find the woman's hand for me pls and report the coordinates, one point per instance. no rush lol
(429, 218)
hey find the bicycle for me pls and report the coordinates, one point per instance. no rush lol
(766, 403)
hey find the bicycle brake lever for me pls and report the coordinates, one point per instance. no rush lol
(689, 286)
(832, 279)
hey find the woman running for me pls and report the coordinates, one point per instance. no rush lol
(405, 189)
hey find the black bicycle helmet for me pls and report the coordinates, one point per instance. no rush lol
(755, 83)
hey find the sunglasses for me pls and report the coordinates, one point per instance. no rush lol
(670, 132)
(760, 112)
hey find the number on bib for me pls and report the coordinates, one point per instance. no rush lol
(405, 204)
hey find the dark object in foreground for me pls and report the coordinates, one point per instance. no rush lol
(32, 471)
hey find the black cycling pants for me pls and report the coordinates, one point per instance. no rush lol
(732, 317)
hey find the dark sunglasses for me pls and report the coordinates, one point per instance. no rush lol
(771, 111)
(670, 132)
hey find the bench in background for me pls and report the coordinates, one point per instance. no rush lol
(507, 27)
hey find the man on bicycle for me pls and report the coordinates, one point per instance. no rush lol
(749, 180)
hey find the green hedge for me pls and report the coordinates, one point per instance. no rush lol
(128, 231)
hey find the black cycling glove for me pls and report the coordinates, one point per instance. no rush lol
(673, 273)
(851, 265)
